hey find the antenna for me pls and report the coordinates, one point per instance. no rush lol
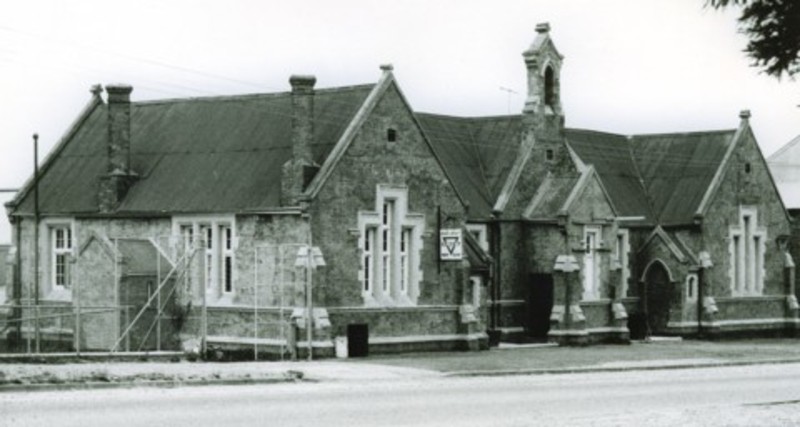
(509, 92)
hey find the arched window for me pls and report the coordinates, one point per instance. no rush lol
(549, 87)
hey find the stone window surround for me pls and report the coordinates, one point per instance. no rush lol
(215, 292)
(47, 258)
(591, 289)
(403, 220)
(623, 259)
(754, 284)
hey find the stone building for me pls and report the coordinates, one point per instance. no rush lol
(206, 211)
(279, 222)
(600, 237)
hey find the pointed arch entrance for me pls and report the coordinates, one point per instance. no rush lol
(659, 296)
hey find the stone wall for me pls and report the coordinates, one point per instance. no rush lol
(373, 160)
(737, 188)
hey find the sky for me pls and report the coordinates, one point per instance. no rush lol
(631, 66)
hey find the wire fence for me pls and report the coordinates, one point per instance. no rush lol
(170, 293)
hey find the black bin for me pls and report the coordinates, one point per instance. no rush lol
(358, 340)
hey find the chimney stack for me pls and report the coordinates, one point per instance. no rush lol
(302, 117)
(119, 176)
(119, 128)
(299, 170)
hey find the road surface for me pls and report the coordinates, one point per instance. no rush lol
(733, 396)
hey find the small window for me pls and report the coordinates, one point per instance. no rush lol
(691, 287)
(747, 167)
(549, 155)
(391, 135)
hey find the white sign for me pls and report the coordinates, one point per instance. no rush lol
(451, 244)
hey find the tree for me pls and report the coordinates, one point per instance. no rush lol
(773, 30)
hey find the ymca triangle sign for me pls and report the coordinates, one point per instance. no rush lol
(451, 246)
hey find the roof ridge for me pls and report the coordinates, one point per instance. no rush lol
(599, 132)
(469, 118)
(249, 96)
(690, 133)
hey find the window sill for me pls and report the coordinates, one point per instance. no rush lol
(224, 300)
(387, 302)
(59, 295)
(595, 301)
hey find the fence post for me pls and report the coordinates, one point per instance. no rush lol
(36, 326)
(78, 330)
(255, 305)
(128, 335)
(158, 303)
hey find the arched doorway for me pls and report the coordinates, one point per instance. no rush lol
(659, 295)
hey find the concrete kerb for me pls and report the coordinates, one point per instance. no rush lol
(599, 369)
(288, 378)
(298, 375)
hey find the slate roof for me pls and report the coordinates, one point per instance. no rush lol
(477, 154)
(215, 154)
(225, 154)
(662, 178)
(678, 169)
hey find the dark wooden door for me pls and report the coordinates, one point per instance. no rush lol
(539, 305)
(659, 294)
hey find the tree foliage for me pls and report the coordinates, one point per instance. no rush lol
(773, 30)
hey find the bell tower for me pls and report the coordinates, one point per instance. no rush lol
(543, 114)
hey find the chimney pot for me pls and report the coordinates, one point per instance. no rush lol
(119, 93)
(302, 83)
(744, 114)
(387, 67)
(543, 27)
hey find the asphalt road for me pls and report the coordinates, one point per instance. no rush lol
(734, 396)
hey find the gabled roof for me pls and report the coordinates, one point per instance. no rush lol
(477, 154)
(663, 177)
(214, 154)
(354, 126)
(611, 156)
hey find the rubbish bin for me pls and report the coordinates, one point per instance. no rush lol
(358, 340)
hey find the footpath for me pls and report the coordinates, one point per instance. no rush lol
(156, 370)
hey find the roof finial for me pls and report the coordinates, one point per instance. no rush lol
(543, 27)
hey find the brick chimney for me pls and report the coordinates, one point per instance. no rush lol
(300, 168)
(119, 176)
